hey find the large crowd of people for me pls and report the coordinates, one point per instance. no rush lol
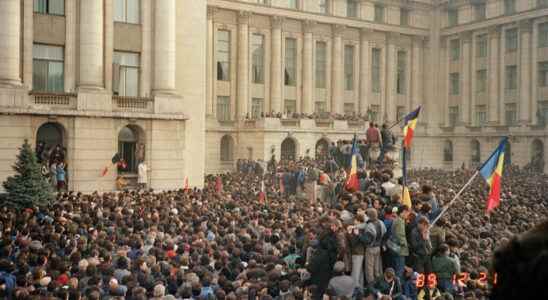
(270, 230)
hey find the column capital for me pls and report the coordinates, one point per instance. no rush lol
(212, 11)
(338, 29)
(525, 25)
(365, 32)
(244, 16)
(277, 22)
(494, 31)
(309, 25)
(466, 36)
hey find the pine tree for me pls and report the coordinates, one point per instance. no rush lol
(27, 188)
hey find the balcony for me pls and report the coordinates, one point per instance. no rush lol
(47, 100)
(132, 104)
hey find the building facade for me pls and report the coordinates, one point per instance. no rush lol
(477, 67)
(190, 86)
(99, 77)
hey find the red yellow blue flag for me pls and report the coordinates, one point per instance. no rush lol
(352, 181)
(410, 121)
(491, 171)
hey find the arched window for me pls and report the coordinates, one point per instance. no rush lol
(289, 149)
(50, 143)
(227, 148)
(448, 151)
(130, 148)
(475, 151)
(322, 147)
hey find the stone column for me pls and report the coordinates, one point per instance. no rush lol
(337, 100)
(10, 37)
(365, 70)
(164, 47)
(91, 44)
(243, 64)
(416, 74)
(390, 101)
(493, 80)
(70, 46)
(146, 48)
(444, 81)
(308, 68)
(109, 44)
(28, 39)
(525, 73)
(533, 71)
(209, 61)
(276, 65)
(466, 40)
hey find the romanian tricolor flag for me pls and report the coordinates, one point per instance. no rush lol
(352, 181)
(410, 121)
(491, 171)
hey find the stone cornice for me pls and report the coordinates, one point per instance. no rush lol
(501, 20)
(320, 18)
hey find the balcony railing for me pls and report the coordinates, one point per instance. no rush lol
(57, 100)
(132, 104)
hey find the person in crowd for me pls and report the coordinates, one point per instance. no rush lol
(341, 285)
(373, 139)
(61, 176)
(372, 238)
(421, 247)
(388, 141)
(388, 285)
(445, 268)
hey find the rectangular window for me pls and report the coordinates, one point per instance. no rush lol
(321, 64)
(324, 6)
(401, 70)
(257, 107)
(404, 16)
(265, 2)
(481, 81)
(481, 45)
(293, 4)
(379, 13)
(48, 68)
(481, 115)
(290, 106)
(510, 114)
(290, 62)
(223, 55)
(454, 79)
(543, 74)
(452, 17)
(543, 35)
(511, 39)
(257, 68)
(223, 108)
(455, 49)
(511, 82)
(376, 70)
(127, 11)
(50, 7)
(542, 3)
(320, 107)
(453, 115)
(351, 8)
(125, 74)
(479, 11)
(349, 67)
(509, 7)
(374, 113)
(349, 109)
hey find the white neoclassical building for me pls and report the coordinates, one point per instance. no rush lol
(187, 85)
(479, 68)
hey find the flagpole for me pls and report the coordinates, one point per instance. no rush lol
(455, 198)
